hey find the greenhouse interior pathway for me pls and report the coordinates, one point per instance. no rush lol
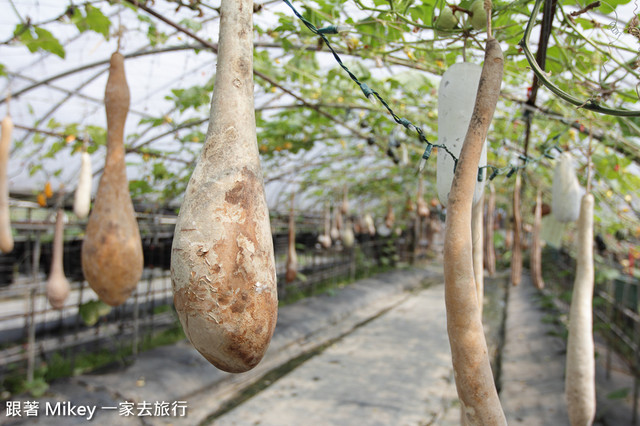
(372, 353)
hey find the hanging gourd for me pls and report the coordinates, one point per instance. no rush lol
(421, 204)
(338, 220)
(490, 251)
(390, 218)
(369, 225)
(580, 386)
(222, 261)
(535, 258)
(516, 249)
(82, 196)
(472, 370)
(292, 257)
(58, 287)
(358, 225)
(565, 190)
(404, 154)
(112, 258)
(325, 238)
(408, 205)
(6, 237)
(335, 232)
(344, 207)
(456, 98)
(346, 235)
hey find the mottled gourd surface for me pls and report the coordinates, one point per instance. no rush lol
(222, 262)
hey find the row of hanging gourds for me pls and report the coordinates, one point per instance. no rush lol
(112, 250)
(469, 94)
(222, 263)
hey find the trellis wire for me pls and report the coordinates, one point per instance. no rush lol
(372, 95)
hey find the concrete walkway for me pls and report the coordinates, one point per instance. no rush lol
(396, 370)
(373, 353)
(533, 364)
(532, 380)
(178, 376)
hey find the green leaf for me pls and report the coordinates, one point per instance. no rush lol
(98, 135)
(193, 97)
(618, 394)
(97, 21)
(36, 38)
(92, 310)
(139, 187)
(191, 24)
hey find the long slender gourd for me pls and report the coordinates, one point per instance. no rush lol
(473, 376)
(535, 257)
(222, 263)
(112, 249)
(325, 239)
(337, 220)
(58, 287)
(580, 385)
(292, 257)
(516, 248)
(390, 218)
(490, 251)
(6, 237)
(82, 196)
(344, 207)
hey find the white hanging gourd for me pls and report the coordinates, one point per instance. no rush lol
(565, 191)
(580, 382)
(82, 196)
(346, 235)
(456, 98)
(369, 224)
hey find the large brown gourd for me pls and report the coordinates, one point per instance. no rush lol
(58, 287)
(6, 237)
(112, 250)
(473, 376)
(222, 262)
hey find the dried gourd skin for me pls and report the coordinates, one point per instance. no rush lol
(222, 261)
